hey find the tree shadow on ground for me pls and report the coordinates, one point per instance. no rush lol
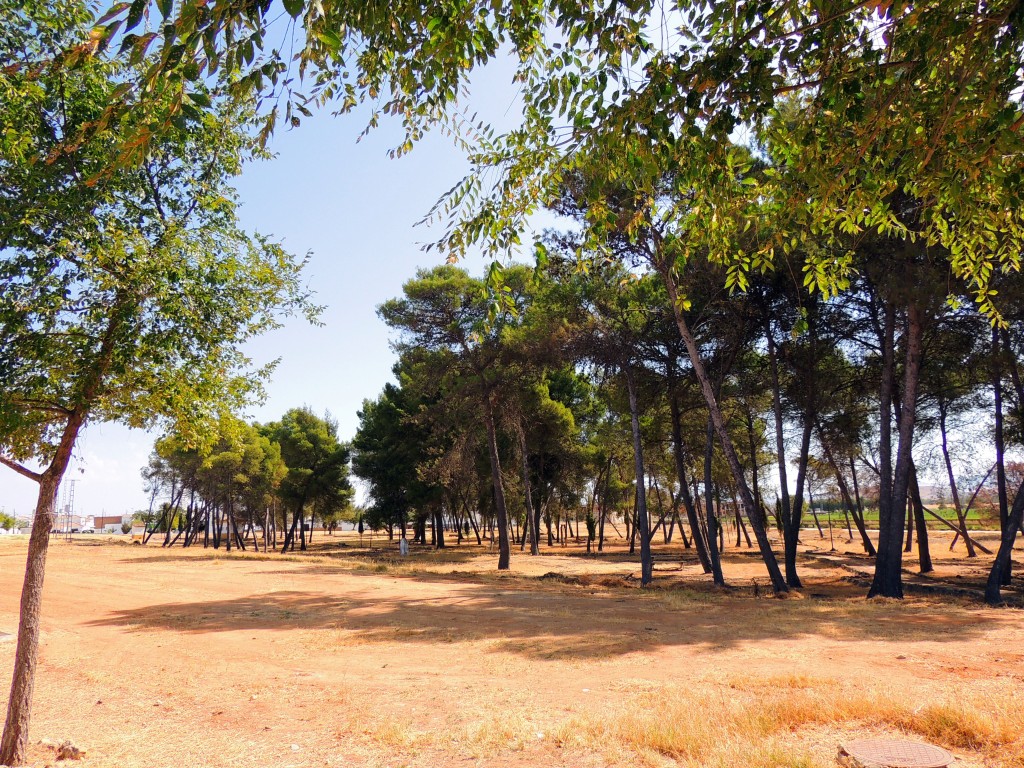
(546, 619)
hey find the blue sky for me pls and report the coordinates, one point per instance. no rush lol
(354, 209)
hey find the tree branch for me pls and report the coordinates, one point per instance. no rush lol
(24, 471)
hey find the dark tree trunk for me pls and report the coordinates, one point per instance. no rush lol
(858, 517)
(501, 512)
(780, 447)
(954, 491)
(709, 514)
(791, 529)
(844, 490)
(1003, 556)
(438, 515)
(997, 392)
(923, 553)
(888, 581)
(534, 524)
(604, 506)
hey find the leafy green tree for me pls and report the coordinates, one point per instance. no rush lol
(389, 449)
(121, 300)
(445, 311)
(317, 477)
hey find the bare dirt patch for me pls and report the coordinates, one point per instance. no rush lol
(348, 656)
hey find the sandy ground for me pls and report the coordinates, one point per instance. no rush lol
(352, 657)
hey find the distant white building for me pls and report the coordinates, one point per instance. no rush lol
(108, 523)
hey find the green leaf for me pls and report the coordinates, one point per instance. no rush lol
(135, 14)
(330, 39)
(293, 7)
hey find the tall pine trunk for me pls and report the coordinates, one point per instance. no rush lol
(1001, 565)
(756, 516)
(894, 482)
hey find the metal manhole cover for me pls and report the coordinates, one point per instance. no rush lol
(896, 753)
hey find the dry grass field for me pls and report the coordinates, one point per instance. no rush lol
(348, 656)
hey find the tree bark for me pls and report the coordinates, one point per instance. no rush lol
(528, 495)
(888, 581)
(997, 391)
(14, 742)
(712, 527)
(780, 447)
(791, 526)
(1001, 565)
(923, 553)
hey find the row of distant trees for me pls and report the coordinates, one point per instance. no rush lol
(250, 483)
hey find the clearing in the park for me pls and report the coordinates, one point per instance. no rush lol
(350, 655)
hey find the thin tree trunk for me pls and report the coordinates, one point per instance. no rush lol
(814, 513)
(528, 496)
(504, 550)
(887, 576)
(954, 491)
(696, 534)
(791, 531)
(14, 743)
(923, 553)
(643, 521)
(997, 391)
(858, 515)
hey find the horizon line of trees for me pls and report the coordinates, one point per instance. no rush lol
(252, 482)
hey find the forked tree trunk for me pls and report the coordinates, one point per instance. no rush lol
(888, 581)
